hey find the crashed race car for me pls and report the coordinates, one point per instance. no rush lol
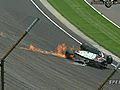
(87, 55)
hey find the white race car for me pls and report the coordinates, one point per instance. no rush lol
(89, 56)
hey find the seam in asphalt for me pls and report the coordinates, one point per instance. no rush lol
(75, 30)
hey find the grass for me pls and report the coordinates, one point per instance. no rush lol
(90, 23)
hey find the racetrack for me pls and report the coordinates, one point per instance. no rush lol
(26, 70)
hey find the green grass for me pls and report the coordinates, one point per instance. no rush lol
(90, 23)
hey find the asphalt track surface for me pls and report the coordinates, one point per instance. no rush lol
(26, 70)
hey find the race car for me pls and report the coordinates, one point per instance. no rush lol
(107, 3)
(89, 56)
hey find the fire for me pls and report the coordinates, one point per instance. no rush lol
(59, 50)
(32, 48)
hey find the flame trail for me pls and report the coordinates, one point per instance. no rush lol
(59, 50)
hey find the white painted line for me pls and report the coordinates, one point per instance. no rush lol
(54, 22)
(113, 65)
(101, 14)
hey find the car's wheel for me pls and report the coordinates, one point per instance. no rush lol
(108, 3)
(109, 59)
(68, 54)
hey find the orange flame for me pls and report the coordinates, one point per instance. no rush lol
(59, 50)
(32, 48)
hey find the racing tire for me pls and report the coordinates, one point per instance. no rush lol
(68, 53)
(108, 3)
(109, 59)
